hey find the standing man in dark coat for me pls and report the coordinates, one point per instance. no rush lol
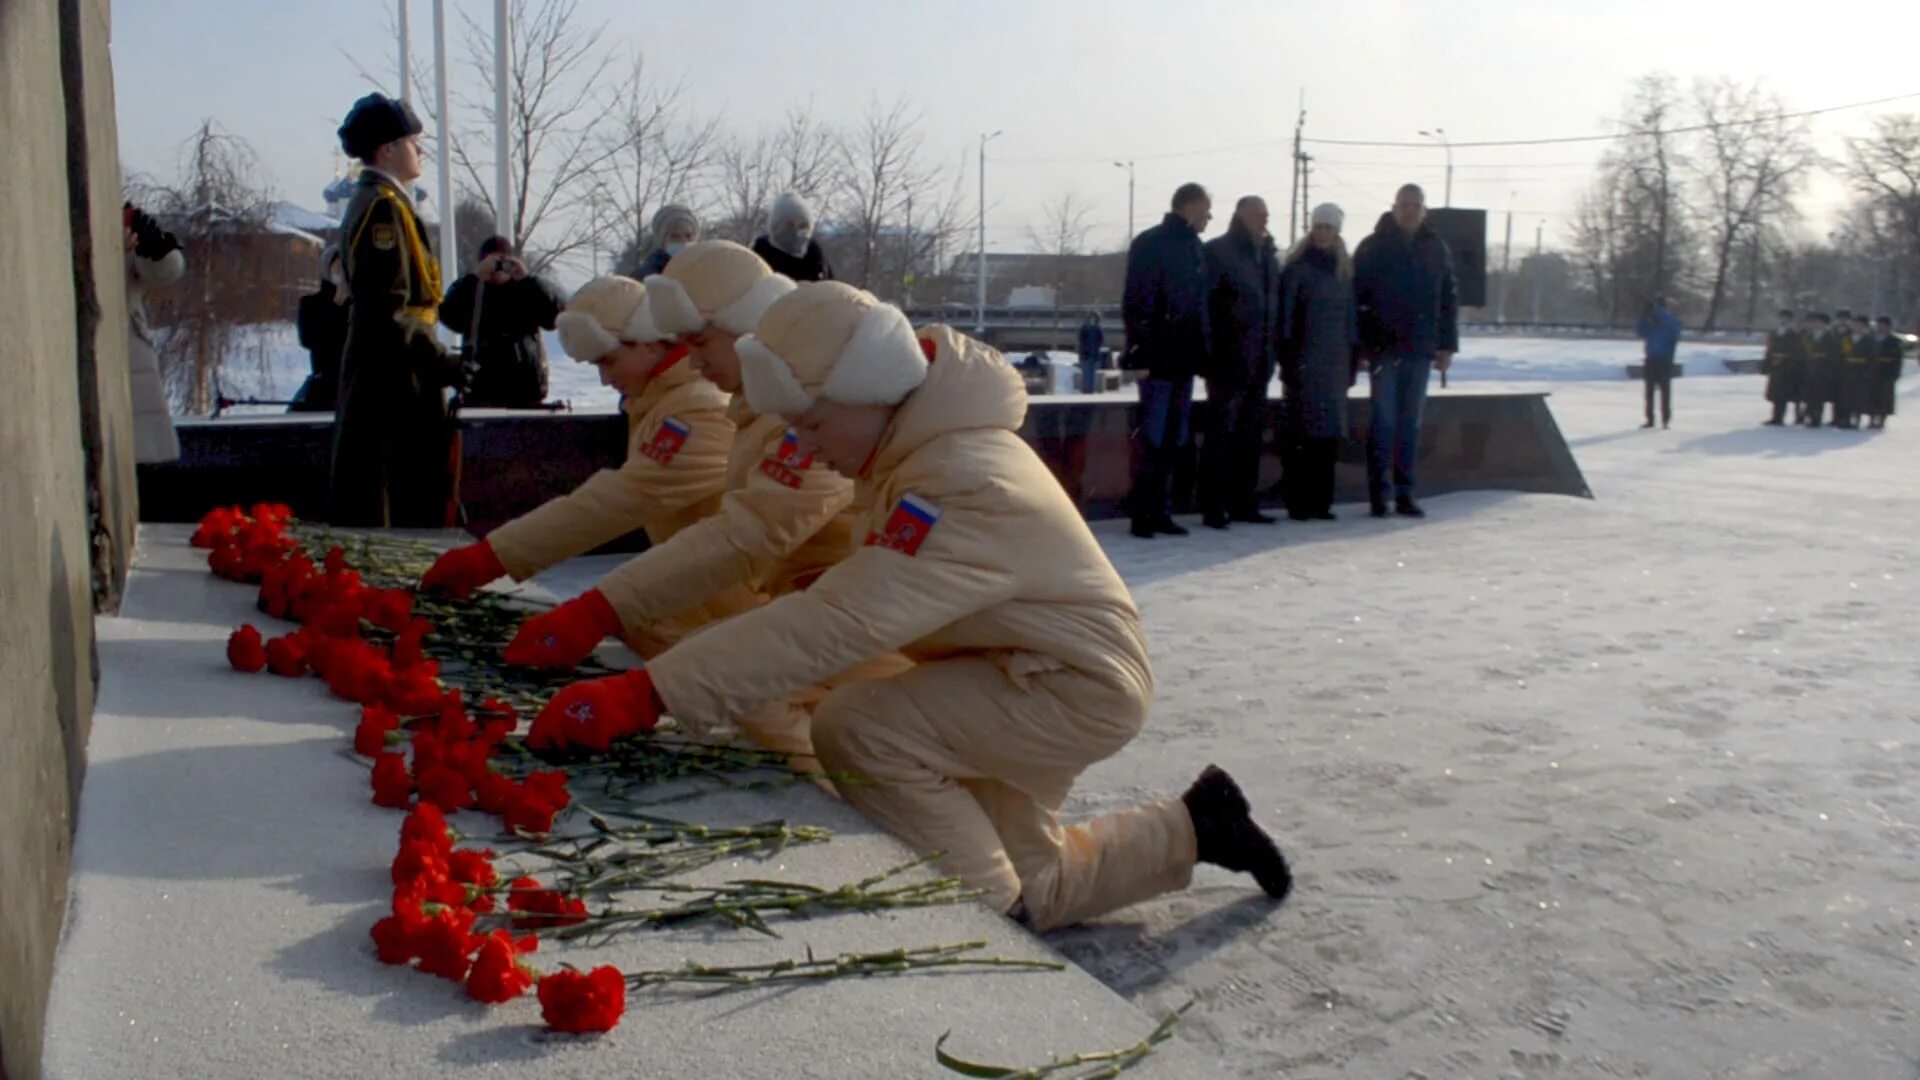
(1243, 274)
(1409, 325)
(1826, 356)
(1855, 387)
(1785, 364)
(1092, 340)
(1319, 360)
(1887, 358)
(322, 326)
(503, 349)
(390, 436)
(1659, 328)
(788, 245)
(1166, 312)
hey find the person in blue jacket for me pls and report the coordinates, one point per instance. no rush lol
(1092, 339)
(1659, 327)
(1168, 336)
(1409, 308)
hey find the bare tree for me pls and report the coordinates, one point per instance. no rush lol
(881, 173)
(1061, 236)
(1632, 230)
(1751, 161)
(645, 157)
(800, 156)
(1884, 169)
(559, 80)
(240, 273)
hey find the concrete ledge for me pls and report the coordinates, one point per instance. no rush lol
(229, 864)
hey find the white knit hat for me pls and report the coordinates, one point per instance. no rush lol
(1327, 214)
(717, 282)
(605, 312)
(833, 341)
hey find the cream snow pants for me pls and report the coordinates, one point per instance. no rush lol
(957, 756)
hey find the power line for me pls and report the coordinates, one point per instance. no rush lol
(1390, 144)
(1605, 138)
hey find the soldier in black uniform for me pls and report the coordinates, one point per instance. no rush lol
(1826, 356)
(1887, 358)
(391, 435)
(1785, 366)
(1855, 384)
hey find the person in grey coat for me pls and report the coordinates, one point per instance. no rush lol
(674, 227)
(1319, 361)
(154, 259)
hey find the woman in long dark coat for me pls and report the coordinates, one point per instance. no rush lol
(1319, 355)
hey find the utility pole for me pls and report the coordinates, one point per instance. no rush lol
(1306, 188)
(1538, 231)
(449, 253)
(1128, 165)
(406, 53)
(1439, 135)
(980, 294)
(1295, 200)
(1506, 261)
(505, 221)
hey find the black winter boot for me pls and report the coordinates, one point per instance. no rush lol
(1228, 836)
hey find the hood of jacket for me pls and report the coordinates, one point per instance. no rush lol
(1387, 227)
(969, 387)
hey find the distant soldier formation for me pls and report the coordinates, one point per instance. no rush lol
(1832, 370)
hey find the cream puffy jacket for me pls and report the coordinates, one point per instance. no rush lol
(1007, 570)
(781, 524)
(675, 472)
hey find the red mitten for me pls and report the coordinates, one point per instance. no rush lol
(563, 637)
(462, 570)
(592, 714)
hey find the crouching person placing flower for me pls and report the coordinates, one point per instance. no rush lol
(1028, 660)
(780, 525)
(674, 474)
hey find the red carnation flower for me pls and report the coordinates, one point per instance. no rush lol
(370, 735)
(392, 785)
(407, 650)
(388, 609)
(494, 793)
(573, 1002)
(497, 974)
(473, 866)
(427, 825)
(394, 938)
(287, 655)
(445, 787)
(535, 906)
(335, 560)
(445, 943)
(420, 859)
(244, 650)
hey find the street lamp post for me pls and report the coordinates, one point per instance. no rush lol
(1128, 165)
(1439, 135)
(980, 293)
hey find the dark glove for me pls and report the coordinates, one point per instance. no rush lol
(150, 241)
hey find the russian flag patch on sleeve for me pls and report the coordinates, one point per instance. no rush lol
(907, 526)
(787, 463)
(667, 440)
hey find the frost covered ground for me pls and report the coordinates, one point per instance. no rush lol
(1627, 787)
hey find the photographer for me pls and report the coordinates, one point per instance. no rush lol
(500, 309)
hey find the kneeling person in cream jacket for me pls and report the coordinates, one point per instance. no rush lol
(779, 526)
(674, 474)
(1029, 662)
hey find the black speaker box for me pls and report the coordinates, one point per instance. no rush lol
(1465, 232)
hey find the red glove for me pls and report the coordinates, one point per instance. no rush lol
(592, 714)
(563, 637)
(462, 570)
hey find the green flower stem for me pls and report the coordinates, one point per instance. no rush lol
(1112, 1062)
(847, 965)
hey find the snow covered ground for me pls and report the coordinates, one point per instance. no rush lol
(1609, 788)
(1621, 787)
(274, 368)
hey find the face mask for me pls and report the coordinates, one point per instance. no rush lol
(792, 239)
(674, 248)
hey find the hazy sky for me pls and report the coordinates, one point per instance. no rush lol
(1193, 89)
